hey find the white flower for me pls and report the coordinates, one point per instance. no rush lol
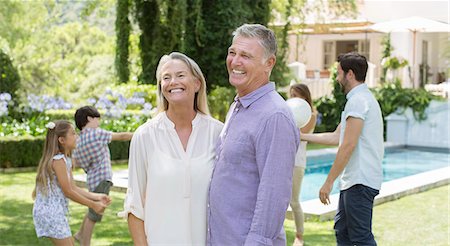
(50, 125)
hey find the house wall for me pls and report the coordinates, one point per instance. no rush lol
(308, 49)
(403, 45)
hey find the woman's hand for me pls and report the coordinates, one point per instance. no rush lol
(105, 199)
(99, 207)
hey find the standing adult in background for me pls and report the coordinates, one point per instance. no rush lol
(171, 160)
(300, 91)
(359, 157)
(252, 178)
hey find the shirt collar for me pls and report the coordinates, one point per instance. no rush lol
(168, 123)
(256, 94)
(356, 89)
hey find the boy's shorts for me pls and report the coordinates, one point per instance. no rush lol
(102, 187)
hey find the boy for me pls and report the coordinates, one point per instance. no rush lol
(92, 154)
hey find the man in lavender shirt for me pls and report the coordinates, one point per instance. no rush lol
(251, 182)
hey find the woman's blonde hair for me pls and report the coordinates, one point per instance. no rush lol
(52, 146)
(200, 100)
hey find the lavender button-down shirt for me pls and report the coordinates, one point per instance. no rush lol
(251, 182)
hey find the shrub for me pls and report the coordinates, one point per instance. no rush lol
(392, 97)
(331, 107)
(34, 125)
(219, 100)
(26, 151)
(20, 151)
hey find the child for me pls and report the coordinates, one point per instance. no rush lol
(92, 154)
(301, 91)
(54, 184)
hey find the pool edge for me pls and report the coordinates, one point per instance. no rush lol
(390, 190)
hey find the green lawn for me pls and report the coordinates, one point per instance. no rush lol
(312, 146)
(421, 219)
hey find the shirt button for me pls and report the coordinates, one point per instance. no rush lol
(208, 205)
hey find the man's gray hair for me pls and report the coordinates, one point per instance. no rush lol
(265, 36)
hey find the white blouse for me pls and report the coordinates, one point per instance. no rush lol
(168, 186)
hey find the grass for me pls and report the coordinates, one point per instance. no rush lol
(313, 146)
(420, 219)
(16, 221)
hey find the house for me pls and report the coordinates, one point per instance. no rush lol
(317, 44)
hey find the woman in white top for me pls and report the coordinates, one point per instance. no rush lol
(301, 91)
(171, 160)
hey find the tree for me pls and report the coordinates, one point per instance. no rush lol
(123, 41)
(163, 26)
(60, 48)
(215, 37)
(9, 77)
(280, 73)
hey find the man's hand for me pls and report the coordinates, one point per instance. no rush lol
(324, 193)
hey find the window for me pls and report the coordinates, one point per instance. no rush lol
(329, 56)
(364, 48)
(332, 49)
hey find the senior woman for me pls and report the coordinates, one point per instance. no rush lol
(171, 160)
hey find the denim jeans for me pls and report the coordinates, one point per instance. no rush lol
(353, 220)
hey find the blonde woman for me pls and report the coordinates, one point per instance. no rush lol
(300, 91)
(171, 160)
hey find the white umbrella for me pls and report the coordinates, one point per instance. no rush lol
(411, 24)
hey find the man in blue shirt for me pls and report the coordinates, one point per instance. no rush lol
(359, 157)
(251, 182)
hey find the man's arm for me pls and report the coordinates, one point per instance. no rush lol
(276, 146)
(351, 136)
(121, 136)
(326, 138)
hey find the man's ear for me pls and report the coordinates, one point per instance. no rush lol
(270, 62)
(351, 74)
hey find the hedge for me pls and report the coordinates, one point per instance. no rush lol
(69, 114)
(26, 151)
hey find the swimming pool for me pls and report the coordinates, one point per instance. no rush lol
(397, 163)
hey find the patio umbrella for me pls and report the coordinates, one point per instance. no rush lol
(414, 25)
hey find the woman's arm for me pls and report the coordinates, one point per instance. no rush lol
(136, 228)
(327, 138)
(105, 199)
(311, 124)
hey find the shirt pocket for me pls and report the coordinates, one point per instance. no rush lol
(238, 152)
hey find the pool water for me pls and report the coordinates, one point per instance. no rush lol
(397, 163)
